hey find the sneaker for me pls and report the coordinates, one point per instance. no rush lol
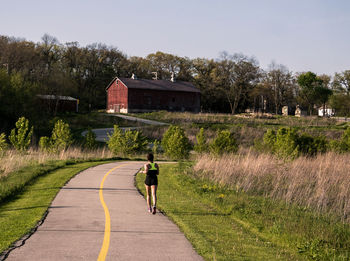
(150, 210)
(154, 210)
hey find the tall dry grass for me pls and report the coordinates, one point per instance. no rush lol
(322, 183)
(13, 160)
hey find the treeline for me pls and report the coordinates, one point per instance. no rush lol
(231, 83)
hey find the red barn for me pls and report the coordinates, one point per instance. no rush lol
(140, 95)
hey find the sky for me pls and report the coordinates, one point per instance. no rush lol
(303, 35)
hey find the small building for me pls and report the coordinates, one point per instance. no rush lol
(326, 111)
(299, 112)
(127, 95)
(56, 103)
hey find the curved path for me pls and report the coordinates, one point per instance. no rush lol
(77, 228)
(102, 133)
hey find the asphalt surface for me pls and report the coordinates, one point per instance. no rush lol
(102, 133)
(76, 227)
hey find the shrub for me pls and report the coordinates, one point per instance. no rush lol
(201, 145)
(175, 143)
(223, 143)
(61, 137)
(44, 143)
(21, 136)
(126, 143)
(3, 143)
(90, 139)
(155, 147)
(286, 144)
(269, 140)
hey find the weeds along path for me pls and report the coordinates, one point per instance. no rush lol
(102, 133)
(100, 215)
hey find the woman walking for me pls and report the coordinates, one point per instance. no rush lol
(151, 182)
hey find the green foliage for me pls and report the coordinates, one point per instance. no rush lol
(270, 140)
(44, 143)
(21, 136)
(223, 143)
(90, 139)
(3, 143)
(126, 143)
(201, 145)
(342, 145)
(61, 137)
(155, 147)
(287, 143)
(175, 143)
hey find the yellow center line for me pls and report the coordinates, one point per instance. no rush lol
(107, 235)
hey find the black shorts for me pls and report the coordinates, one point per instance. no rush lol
(151, 180)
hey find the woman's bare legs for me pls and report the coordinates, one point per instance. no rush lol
(154, 197)
(148, 193)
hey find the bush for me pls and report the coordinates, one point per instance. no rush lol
(44, 144)
(126, 143)
(223, 143)
(3, 143)
(175, 143)
(21, 136)
(61, 137)
(269, 140)
(201, 145)
(155, 147)
(287, 143)
(342, 145)
(90, 139)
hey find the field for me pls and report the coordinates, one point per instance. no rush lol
(247, 128)
(227, 224)
(249, 205)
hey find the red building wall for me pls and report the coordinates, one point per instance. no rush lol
(149, 100)
(117, 97)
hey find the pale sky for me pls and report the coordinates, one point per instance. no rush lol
(301, 34)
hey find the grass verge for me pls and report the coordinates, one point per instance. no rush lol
(22, 213)
(223, 224)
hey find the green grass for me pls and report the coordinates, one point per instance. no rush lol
(223, 224)
(22, 213)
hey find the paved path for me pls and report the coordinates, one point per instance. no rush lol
(76, 227)
(102, 134)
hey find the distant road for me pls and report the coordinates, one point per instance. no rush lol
(102, 134)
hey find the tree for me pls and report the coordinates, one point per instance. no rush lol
(310, 86)
(280, 80)
(126, 143)
(61, 137)
(175, 143)
(341, 82)
(21, 136)
(237, 75)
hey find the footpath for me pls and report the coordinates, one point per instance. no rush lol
(102, 133)
(99, 215)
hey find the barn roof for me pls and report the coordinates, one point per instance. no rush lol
(159, 85)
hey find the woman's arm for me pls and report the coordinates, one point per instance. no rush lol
(145, 168)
